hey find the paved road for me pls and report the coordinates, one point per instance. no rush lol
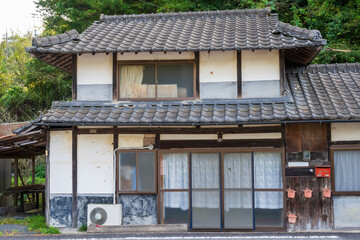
(192, 236)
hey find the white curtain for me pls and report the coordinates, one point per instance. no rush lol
(130, 81)
(175, 176)
(237, 174)
(346, 167)
(268, 174)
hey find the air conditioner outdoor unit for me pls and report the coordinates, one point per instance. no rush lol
(104, 214)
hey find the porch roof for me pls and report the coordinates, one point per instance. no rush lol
(178, 32)
(316, 92)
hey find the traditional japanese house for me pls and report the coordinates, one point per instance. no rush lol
(212, 119)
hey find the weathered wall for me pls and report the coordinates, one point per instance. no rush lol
(131, 140)
(218, 74)
(260, 73)
(138, 209)
(345, 132)
(60, 162)
(94, 77)
(346, 212)
(312, 214)
(95, 164)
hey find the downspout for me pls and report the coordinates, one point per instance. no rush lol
(150, 147)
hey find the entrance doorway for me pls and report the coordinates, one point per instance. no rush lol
(226, 190)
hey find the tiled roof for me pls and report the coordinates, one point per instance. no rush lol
(317, 92)
(192, 31)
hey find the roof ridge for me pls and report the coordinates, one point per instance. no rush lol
(265, 11)
(295, 31)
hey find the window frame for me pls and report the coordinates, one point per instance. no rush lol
(332, 150)
(156, 63)
(118, 190)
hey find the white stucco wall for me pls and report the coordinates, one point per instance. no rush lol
(94, 69)
(130, 56)
(345, 132)
(95, 164)
(131, 140)
(260, 65)
(218, 66)
(60, 156)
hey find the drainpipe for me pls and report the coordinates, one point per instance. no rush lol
(150, 147)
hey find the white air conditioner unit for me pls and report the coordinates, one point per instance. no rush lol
(104, 214)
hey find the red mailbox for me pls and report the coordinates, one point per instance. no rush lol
(322, 171)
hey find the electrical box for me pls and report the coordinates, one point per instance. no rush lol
(322, 171)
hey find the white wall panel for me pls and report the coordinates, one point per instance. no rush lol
(95, 163)
(218, 66)
(94, 69)
(130, 56)
(60, 162)
(260, 65)
(131, 140)
(345, 132)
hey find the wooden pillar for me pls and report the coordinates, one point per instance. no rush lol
(116, 145)
(33, 177)
(16, 178)
(46, 203)
(74, 178)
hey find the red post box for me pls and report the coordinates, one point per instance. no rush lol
(322, 171)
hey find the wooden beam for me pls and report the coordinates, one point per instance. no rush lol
(116, 145)
(74, 178)
(74, 77)
(197, 78)
(115, 85)
(46, 203)
(239, 83)
(179, 130)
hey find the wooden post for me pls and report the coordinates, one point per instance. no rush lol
(16, 183)
(33, 177)
(46, 203)
(22, 209)
(74, 177)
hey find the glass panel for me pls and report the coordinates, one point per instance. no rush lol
(176, 207)
(127, 171)
(269, 209)
(237, 170)
(346, 167)
(238, 212)
(175, 80)
(205, 170)
(268, 170)
(137, 81)
(206, 209)
(174, 171)
(146, 171)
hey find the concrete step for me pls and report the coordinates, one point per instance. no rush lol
(138, 228)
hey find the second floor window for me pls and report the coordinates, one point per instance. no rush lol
(156, 81)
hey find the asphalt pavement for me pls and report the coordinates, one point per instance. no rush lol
(193, 236)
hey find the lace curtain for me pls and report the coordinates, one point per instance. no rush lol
(130, 81)
(346, 167)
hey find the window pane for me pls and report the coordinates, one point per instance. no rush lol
(176, 207)
(346, 167)
(238, 210)
(174, 171)
(127, 171)
(137, 81)
(205, 170)
(268, 170)
(175, 80)
(269, 209)
(206, 209)
(146, 172)
(237, 170)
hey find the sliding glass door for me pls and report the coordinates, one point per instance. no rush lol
(206, 190)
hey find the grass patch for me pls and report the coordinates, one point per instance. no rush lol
(83, 228)
(34, 223)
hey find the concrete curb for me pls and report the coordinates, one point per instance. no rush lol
(138, 228)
